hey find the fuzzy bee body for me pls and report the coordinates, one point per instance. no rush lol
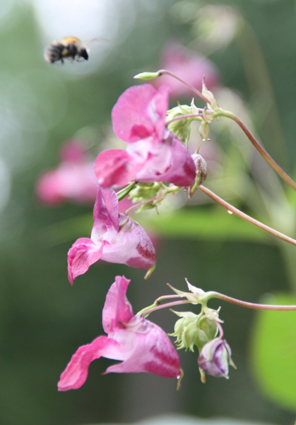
(67, 47)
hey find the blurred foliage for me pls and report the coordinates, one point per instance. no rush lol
(274, 351)
(43, 320)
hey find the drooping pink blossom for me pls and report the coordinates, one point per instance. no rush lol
(115, 238)
(74, 178)
(139, 344)
(188, 65)
(153, 152)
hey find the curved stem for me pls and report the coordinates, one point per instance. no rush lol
(121, 194)
(149, 201)
(197, 92)
(183, 117)
(257, 146)
(159, 300)
(246, 217)
(253, 305)
(159, 307)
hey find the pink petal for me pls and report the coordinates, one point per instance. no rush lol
(75, 181)
(188, 65)
(106, 209)
(152, 352)
(117, 309)
(48, 188)
(140, 113)
(170, 161)
(115, 167)
(131, 245)
(75, 374)
(82, 255)
(73, 151)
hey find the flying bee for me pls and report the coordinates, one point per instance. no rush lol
(67, 47)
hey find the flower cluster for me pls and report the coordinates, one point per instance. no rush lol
(156, 162)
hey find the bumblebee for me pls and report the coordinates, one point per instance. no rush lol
(67, 47)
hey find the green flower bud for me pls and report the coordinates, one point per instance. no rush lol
(209, 327)
(204, 130)
(181, 128)
(209, 96)
(147, 75)
(185, 330)
(193, 330)
(144, 191)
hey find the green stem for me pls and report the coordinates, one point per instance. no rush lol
(246, 217)
(256, 144)
(125, 191)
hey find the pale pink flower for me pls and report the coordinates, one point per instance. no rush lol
(153, 152)
(139, 344)
(73, 180)
(188, 65)
(115, 238)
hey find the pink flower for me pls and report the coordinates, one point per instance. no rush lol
(115, 238)
(74, 179)
(153, 152)
(188, 65)
(139, 344)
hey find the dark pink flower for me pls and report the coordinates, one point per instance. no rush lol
(188, 65)
(74, 179)
(115, 238)
(139, 344)
(153, 152)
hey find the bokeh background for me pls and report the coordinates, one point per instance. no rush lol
(42, 318)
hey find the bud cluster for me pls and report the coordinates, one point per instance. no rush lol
(156, 162)
(201, 330)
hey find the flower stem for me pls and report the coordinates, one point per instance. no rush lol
(159, 307)
(197, 92)
(256, 144)
(251, 305)
(149, 201)
(246, 217)
(159, 300)
(121, 194)
(184, 117)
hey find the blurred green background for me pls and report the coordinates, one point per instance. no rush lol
(43, 319)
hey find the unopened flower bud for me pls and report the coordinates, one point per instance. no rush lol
(181, 127)
(144, 190)
(201, 168)
(209, 96)
(215, 358)
(147, 75)
(203, 130)
(193, 330)
(209, 327)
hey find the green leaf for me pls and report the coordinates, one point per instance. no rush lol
(273, 351)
